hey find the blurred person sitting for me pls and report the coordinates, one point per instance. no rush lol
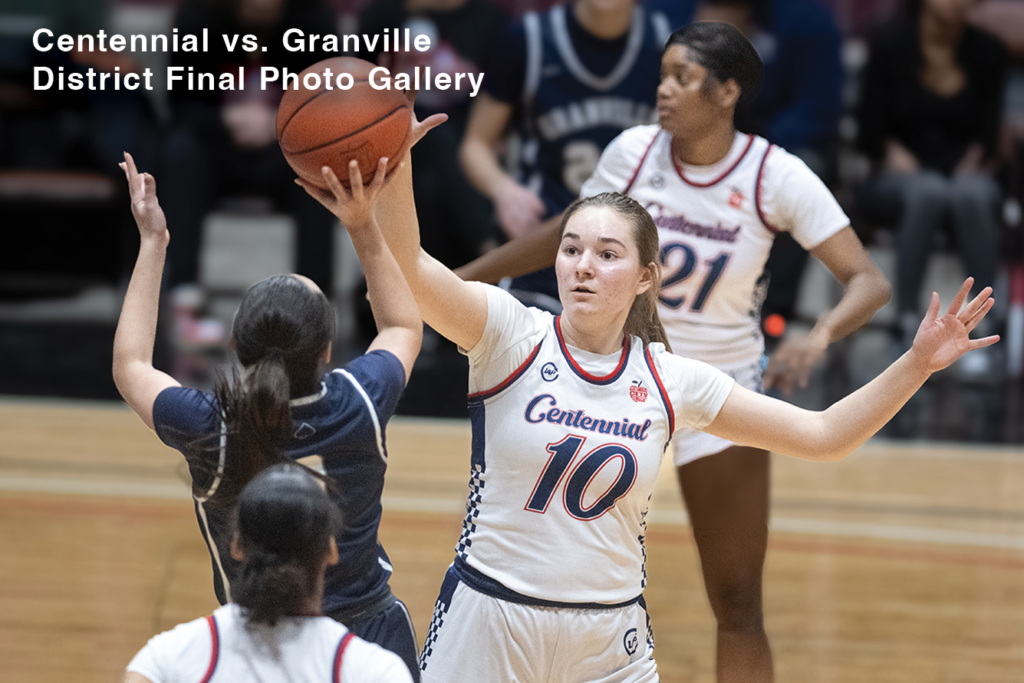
(223, 143)
(275, 629)
(929, 117)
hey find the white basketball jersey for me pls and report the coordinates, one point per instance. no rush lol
(716, 226)
(567, 446)
(220, 647)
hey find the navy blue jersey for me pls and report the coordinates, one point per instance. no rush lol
(574, 93)
(343, 425)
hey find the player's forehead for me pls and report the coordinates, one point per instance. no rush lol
(681, 57)
(599, 224)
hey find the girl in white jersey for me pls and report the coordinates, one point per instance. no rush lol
(275, 629)
(570, 417)
(718, 198)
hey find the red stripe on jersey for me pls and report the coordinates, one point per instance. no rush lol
(636, 171)
(340, 654)
(583, 373)
(487, 393)
(664, 394)
(679, 169)
(757, 191)
(214, 649)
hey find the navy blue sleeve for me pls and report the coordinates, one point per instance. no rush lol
(506, 66)
(810, 45)
(382, 377)
(181, 416)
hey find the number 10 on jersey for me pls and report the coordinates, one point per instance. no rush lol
(563, 453)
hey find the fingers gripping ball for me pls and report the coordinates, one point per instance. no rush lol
(330, 126)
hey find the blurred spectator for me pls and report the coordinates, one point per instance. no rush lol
(929, 117)
(456, 219)
(568, 81)
(223, 143)
(58, 149)
(797, 107)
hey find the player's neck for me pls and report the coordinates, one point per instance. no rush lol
(606, 24)
(600, 339)
(703, 150)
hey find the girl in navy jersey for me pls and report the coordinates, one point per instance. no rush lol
(567, 81)
(284, 541)
(571, 416)
(278, 403)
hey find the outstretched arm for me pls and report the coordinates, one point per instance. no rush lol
(134, 375)
(756, 420)
(399, 328)
(519, 257)
(456, 309)
(865, 291)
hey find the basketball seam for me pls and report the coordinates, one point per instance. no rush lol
(347, 135)
(300, 107)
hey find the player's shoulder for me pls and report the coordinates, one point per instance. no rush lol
(372, 663)
(637, 139)
(779, 167)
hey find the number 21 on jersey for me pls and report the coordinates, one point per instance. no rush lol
(575, 490)
(680, 262)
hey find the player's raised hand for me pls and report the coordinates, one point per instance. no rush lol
(354, 206)
(145, 206)
(520, 210)
(940, 340)
(791, 364)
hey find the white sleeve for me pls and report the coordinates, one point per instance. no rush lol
(181, 654)
(795, 200)
(696, 390)
(620, 161)
(510, 335)
(370, 663)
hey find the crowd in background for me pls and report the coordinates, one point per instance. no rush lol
(900, 106)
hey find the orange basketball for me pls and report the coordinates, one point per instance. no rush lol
(332, 118)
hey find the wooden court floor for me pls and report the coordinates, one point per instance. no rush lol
(901, 563)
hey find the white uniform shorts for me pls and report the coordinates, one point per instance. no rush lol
(480, 638)
(691, 444)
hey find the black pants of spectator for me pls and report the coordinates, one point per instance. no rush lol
(197, 172)
(925, 201)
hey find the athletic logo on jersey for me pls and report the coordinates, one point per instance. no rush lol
(304, 431)
(549, 372)
(657, 181)
(637, 392)
(630, 642)
(736, 198)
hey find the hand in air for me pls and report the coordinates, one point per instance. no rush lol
(941, 340)
(353, 207)
(145, 206)
(519, 210)
(791, 364)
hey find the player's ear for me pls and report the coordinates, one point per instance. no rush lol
(728, 94)
(646, 278)
(236, 547)
(332, 552)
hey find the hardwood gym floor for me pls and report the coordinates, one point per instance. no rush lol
(902, 563)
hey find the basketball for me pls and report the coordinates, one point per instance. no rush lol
(326, 125)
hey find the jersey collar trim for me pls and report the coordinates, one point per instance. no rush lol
(679, 168)
(564, 45)
(578, 369)
(312, 398)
